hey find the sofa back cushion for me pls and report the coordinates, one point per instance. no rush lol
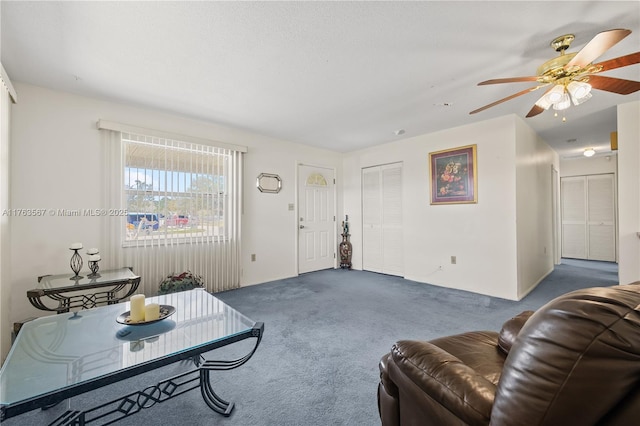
(575, 361)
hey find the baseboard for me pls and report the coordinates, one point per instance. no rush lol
(520, 297)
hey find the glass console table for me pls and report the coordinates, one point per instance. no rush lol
(84, 293)
(60, 356)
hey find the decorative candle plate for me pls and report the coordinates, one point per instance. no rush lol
(165, 312)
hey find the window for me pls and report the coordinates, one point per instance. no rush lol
(178, 208)
(174, 191)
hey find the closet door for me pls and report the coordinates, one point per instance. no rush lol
(588, 217)
(372, 219)
(601, 232)
(382, 219)
(574, 220)
(392, 234)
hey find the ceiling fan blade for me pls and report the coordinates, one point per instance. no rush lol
(538, 109)
(508, 98)
(614, 85)
(597, 46)
(619, 62)
(508, 80)
(535, 111)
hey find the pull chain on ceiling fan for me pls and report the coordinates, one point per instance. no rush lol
(573, 75)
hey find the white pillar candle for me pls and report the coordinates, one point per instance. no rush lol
(94, 258)
(137, 308)
(93, 251)
(151, 312)
(75, 246)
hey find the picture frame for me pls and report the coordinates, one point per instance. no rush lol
(453, 175)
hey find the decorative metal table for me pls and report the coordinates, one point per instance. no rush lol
(83, 293)
(60, 356)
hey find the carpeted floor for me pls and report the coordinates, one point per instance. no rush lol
(324, 335)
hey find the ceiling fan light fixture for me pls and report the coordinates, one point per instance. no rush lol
(563, 104)
(556, 94)
(589, 152)
(567, 75)
(580, 92)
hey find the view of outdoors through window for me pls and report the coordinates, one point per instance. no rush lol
(173, 190)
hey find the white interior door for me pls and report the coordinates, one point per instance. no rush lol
(574, 219)
(601, 230)
(372, 219)
(382, 231)
(316, 219)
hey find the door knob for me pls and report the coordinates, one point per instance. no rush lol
(301, 226)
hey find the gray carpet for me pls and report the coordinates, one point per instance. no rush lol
(324, 335)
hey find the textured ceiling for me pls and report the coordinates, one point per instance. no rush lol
(338, 75)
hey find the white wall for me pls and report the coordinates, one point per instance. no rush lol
(589, 166)
(56, 163)
(534, 161)
(629, 192)
(482, 236)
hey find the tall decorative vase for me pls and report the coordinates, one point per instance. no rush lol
(345, 252)
(345, 245)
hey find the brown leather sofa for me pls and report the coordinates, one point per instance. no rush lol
(575, 361)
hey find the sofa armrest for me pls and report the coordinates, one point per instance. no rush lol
(510, 330)
(446, 379)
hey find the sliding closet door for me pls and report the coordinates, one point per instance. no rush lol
(601, 232)
(588, 217)
(382, 219)
(574, 217)
(372, 219)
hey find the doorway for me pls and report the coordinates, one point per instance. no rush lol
(316, 218)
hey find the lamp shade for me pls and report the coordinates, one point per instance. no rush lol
(579, 91)
(543, 102)
(555, 95)
(563, 103)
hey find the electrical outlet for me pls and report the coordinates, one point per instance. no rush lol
(253, 257)
(453, 260)
(440, 268)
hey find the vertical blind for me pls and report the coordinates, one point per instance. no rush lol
(7, 97)
(180, 210)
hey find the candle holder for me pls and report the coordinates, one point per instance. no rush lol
(94, 267)
(76, 264)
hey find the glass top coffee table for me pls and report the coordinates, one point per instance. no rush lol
(60, 356)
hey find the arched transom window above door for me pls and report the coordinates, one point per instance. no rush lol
(316, 179)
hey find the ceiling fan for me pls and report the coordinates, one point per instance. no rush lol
(573, 75)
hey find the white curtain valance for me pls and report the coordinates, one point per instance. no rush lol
(126, 128)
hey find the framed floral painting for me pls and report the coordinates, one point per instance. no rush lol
(454, 175)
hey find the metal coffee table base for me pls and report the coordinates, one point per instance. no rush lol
(134, 402)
